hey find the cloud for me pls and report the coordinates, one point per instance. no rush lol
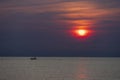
(61, 11)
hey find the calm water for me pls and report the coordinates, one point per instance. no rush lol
(54, 68)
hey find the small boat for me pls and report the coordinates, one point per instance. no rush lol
(33, 58)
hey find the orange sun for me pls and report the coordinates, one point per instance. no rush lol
(81, 32)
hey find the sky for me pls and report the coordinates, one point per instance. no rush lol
(48, 28)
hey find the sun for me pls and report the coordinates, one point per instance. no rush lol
(82, 32)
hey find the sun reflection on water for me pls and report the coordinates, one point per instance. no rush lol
(82, 73)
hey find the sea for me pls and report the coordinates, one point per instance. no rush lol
(59, 68)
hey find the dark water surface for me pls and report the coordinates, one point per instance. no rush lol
(59, 68)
